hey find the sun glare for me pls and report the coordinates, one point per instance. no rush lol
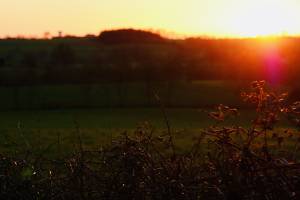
(263, 18)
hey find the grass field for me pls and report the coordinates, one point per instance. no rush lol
(179, 94)
(20, 130)
(108, 118)
(102, 117)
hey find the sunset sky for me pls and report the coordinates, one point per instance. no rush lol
(219, 18)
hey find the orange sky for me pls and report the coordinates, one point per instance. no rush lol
(219, 18)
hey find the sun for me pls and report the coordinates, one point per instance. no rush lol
(262, 18)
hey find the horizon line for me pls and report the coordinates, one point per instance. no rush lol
(162, 32)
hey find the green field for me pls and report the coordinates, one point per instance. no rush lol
(97, 127)
(178, 94)
(109, 118)
(38, 116)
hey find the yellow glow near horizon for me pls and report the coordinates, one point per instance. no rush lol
(216, 18)
(263, 18)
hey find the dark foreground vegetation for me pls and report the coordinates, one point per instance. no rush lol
(234, 162)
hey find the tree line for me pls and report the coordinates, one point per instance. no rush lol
(134, 55)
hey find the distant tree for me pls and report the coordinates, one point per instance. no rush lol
(60, 34)
(129, 36)
(47, 35)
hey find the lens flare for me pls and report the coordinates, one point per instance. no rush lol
(273, 63)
